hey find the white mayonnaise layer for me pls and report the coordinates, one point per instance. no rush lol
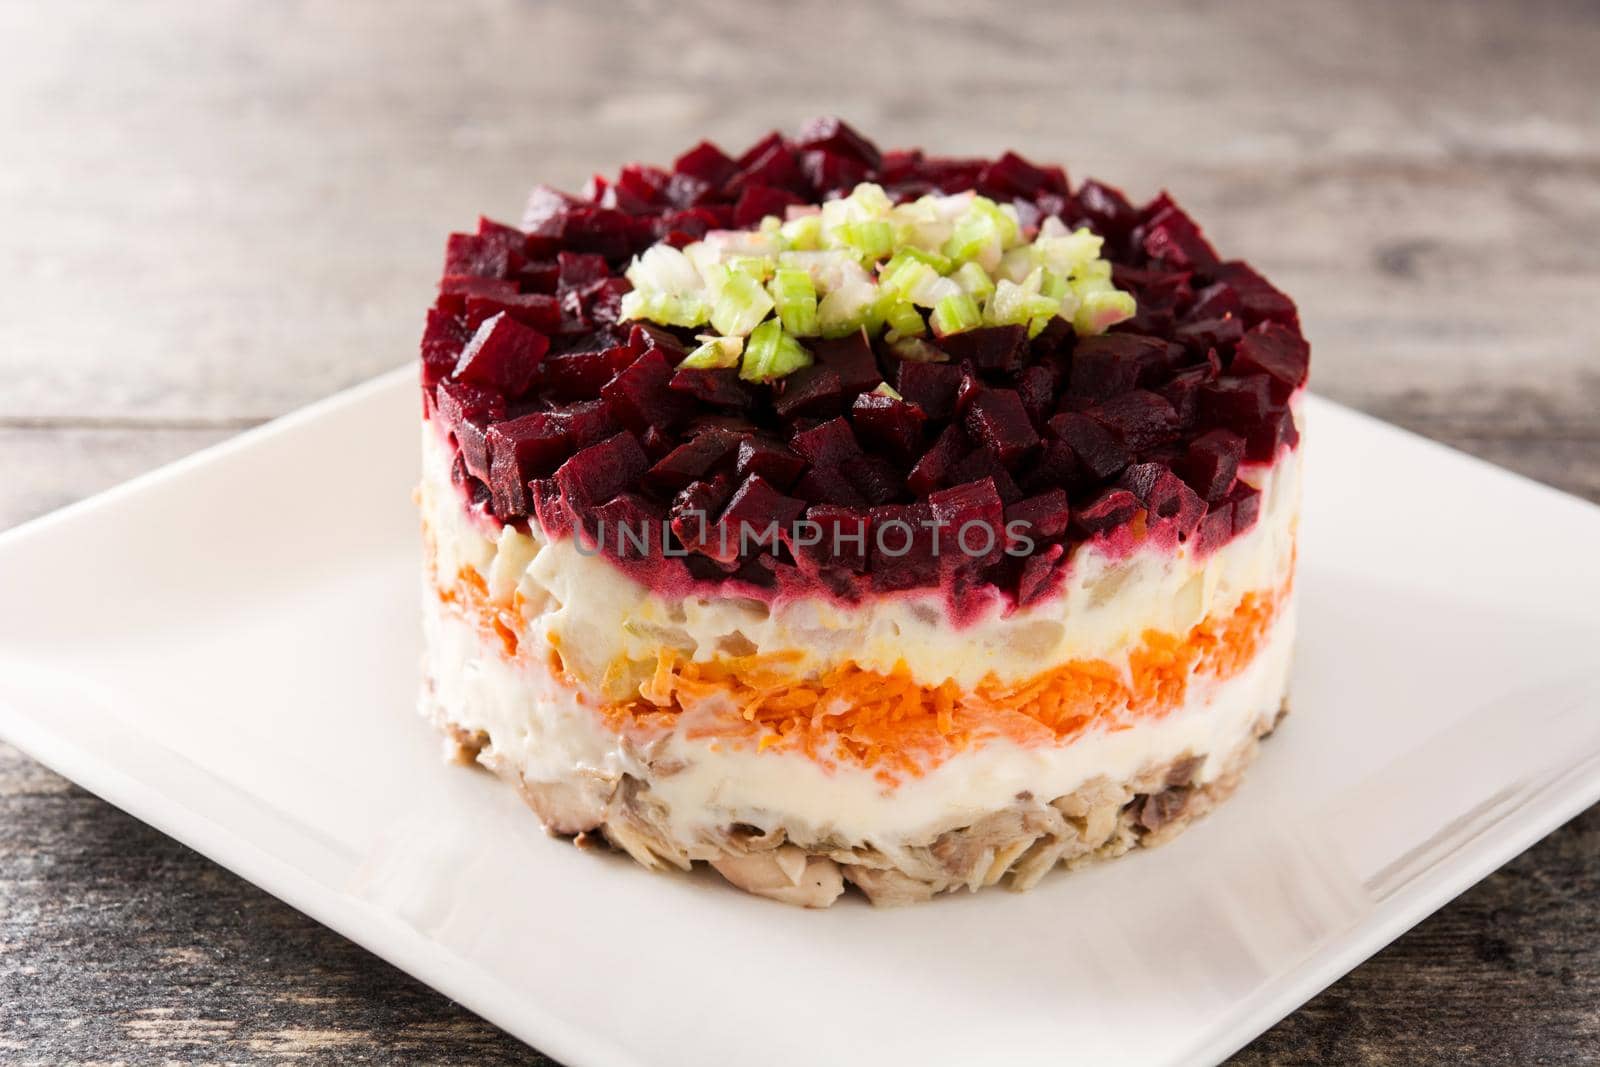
(599, 616)
(539, 726)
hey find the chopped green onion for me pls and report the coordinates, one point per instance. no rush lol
(715, 353)
(956, 313)
(742, 304)
(796, 300)
(772, 353)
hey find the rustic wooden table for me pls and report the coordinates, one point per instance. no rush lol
(213, 213)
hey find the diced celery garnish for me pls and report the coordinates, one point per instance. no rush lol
(796, 300)
(803, 234)
(974, 281)
(714, 353)
(772, 353)
(1100, 311)
(954, 314)
(665, 308)
(903, 320)
(742, 304)
(847, 309)
(885, 389)
(870, 239)
(916, 350)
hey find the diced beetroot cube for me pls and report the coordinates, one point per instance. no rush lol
(640, 396)
(831, 173)
(540, 276)
(759, 201)
(851, 357)
(773, 461)
(814, 391)
(1211, 463)
(950, 175)
(628, 527)
(1204, 334)
(503, 354)
(468, 410)
(892, 425)
(829, 485)
(1012, 176)
(1182, 391)
(828, 444)
(717, 388)
(706, 162)
(1261, 443)
(1216, 302)
(1037, 388)
(877, 479)
(691, 461)
(580, 375)
(695, 509)
(1140, 478)
(1261, 301)
(1106, 209)
(1235, 402)
(982, 463)
(1171, 237)
(646, 337)
(1106, 510)
(601, 471)
(481, 257)
(1057, 466)
(548, 509)
(989, 348)
(776, 166)
(1040, 517)
(933, 468)
(456, 289)
(756, 517)
(602, 300)
(442, 341)
(520, 450)
(537, 310)
(1041, 575)
(1246, 502)
(1215, 529)
(1113, 363)
(1170, 500)
(997, 419)
(1100, 453)
(547, 212)
(931, 386)
(902, 550)
(971, 531)
(836, 136)
(1278, 352)
(843, 539)
(1139, 418)
(657, 443)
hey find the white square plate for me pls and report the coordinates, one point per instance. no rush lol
(227, 649)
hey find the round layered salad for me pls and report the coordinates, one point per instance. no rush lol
(844, 517)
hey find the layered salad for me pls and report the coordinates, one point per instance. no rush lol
(839, 517)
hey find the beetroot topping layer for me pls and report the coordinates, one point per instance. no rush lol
(866, 439)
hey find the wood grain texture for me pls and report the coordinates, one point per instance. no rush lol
(213, 213)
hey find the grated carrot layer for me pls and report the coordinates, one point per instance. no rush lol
(888, 721)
